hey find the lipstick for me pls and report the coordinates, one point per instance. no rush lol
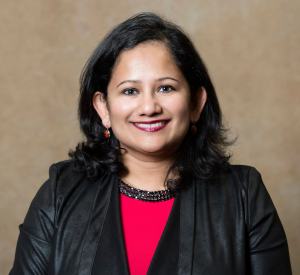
(151, 126)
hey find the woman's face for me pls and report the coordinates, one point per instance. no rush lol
(149, 101)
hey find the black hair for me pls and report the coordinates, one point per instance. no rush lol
(203, 154)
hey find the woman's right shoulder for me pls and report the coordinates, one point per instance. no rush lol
(64, 167)
(62, 198)
(65, 183)
(56, 194)
(65, 177)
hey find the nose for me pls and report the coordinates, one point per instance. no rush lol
(149, 105)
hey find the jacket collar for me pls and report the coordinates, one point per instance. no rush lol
(104, 250)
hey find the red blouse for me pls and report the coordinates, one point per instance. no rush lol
(143, 224)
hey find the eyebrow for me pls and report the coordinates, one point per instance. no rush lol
(138, 81)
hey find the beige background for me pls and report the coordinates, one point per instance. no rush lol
(251, 49)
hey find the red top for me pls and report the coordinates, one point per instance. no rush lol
(143, 223)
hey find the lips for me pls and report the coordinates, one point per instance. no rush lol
(151, 126)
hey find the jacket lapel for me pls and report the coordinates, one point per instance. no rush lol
(174, 252)
(187, 225)
(165, 258)
(104, 250)
(95, 227)
(111, 255)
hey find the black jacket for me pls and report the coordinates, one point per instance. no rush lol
(73, 226)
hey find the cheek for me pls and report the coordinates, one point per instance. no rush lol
(180, 109)
(120, 110)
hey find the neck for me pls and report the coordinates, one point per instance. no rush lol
(145, 173)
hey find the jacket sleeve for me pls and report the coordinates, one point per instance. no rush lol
(268, 248)
(34, 242)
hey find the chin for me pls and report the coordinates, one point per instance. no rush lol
(153, 151)
(156, 148)
(150, 146)
(150, 149)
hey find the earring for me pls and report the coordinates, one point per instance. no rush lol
(194, 129)
(107, 132)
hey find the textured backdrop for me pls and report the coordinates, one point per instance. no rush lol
(251, 49)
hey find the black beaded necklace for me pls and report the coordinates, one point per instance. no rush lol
(149, 196)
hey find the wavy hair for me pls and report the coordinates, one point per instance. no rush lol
(202, 155)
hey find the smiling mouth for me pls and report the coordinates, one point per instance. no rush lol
(151, 126)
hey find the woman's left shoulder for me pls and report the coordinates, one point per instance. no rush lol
(242, 177)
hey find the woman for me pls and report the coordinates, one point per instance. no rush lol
(151, 189)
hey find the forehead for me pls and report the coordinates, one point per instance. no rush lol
(146, 59)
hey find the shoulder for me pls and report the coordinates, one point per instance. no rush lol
(241, 176)
(65, 174)
(62, 168)
(246, 183)
(242, 171)
(63, 184)
(65, 190)
(68, 182)
(60, 174)
(238, 185)
(41, 217)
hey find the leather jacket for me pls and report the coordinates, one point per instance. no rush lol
(73, 226)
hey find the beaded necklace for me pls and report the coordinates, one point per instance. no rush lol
(143, 195)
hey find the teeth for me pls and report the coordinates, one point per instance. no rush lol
(150, 125)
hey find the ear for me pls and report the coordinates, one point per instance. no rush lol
(100, 106)
(198, 104)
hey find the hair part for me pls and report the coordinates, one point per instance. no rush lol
(202, 155)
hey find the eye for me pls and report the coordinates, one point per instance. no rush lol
(166, 88)
(130, 91)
